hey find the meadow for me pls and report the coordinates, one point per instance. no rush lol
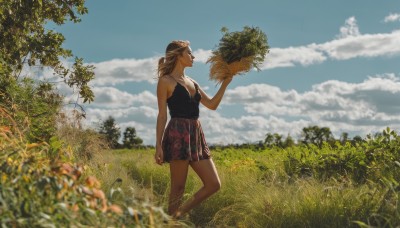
(72, 180)
(301, 186)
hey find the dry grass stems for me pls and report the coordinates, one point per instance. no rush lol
(219, 69)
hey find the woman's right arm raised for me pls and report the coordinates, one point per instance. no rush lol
(162, 94)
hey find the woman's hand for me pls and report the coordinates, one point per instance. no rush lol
(227, 80)
(159, 156)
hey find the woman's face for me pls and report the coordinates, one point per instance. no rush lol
(187, 58)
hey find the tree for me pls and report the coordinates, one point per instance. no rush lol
(130, 138)
(357, 140)
(111, 131)
(269, 139)
(344, 138)
(273, 140)
(317, 135)
(24, 40)
(289, 142)
(278, 140)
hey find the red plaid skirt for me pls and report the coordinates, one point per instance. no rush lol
(184, 140)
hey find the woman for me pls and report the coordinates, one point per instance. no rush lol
(182, 143)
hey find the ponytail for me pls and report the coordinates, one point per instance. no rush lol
(161, 67)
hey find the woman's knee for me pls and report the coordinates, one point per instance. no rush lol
(214, 186)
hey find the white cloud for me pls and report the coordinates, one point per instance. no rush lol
(246, 129)
(350, 43)
(201, 55)
(118, 71)
(363, 107)
(110, 97)
(288, 57)
(373, 102)
(392, 17)
(368, 45)
(350, 28)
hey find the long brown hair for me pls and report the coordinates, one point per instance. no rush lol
(167, 64)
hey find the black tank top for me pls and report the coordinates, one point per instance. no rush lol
(182, 105)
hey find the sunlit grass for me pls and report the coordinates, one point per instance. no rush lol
(256, 192)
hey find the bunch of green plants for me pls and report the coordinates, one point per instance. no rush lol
(326, 162)
(371, 160)
(382, 154)
(29, 102)
(234, 46)
(40, 185)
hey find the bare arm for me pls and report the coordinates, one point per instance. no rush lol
(213, 103)
(162, 93)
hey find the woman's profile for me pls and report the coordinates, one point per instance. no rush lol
(182, 143)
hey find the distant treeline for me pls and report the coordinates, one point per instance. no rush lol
(314, 135)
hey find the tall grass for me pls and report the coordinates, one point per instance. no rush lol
(259, 190)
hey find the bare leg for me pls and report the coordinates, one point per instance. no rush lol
(179, 171)
(207, 172)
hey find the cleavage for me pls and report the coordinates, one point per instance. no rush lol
(187, 90)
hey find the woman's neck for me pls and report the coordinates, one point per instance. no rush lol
(178, 73)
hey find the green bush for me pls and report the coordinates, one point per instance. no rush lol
(40, 186)
(31, 104)
(371, 160)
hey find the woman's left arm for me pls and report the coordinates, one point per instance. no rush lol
(213, 103)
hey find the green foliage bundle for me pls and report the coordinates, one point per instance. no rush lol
(251, 42)
(246, 48)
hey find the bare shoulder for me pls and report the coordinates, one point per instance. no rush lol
(166, 81)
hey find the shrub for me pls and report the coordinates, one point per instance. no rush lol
(33, 104)
(38, 190)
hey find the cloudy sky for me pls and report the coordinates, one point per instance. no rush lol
(331, 63)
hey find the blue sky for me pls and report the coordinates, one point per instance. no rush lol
(331, 63)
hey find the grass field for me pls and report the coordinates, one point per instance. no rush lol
(295, 187)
